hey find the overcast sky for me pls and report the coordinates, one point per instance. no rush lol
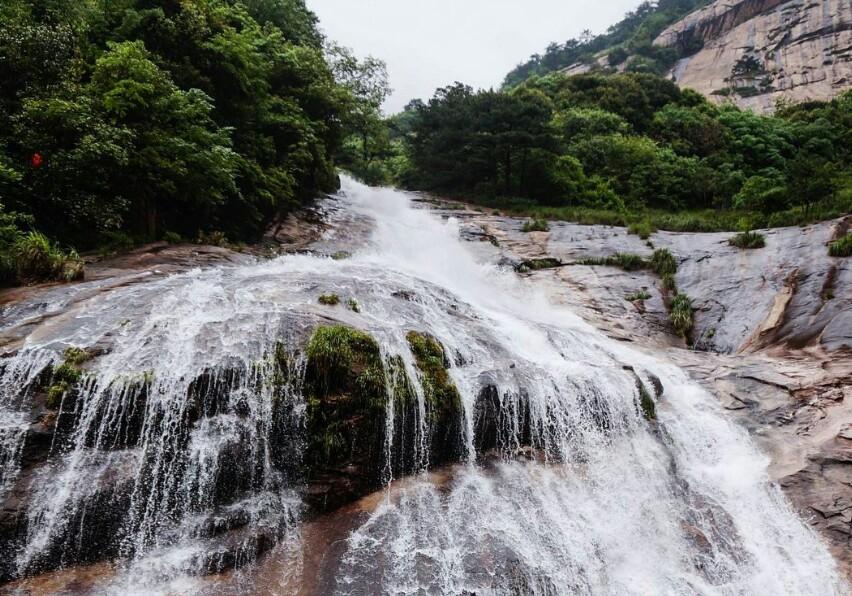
(433, 43)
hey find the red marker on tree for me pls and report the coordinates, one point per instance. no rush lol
(37, 160)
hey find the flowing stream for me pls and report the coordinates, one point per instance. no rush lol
(183, 451)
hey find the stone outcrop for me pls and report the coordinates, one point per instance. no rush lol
(773, 339)
(755, 52)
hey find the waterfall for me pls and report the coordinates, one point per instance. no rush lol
(181, 449)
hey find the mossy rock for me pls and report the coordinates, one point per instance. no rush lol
(347, 397)
(55, 393)
(63, 379)
(646, 402)
(348, 386)
(440, 392)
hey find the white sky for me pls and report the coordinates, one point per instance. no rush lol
(433, 43)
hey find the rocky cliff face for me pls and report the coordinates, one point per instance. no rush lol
(754, 52)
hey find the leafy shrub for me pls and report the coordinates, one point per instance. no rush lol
(115, 242)
(329, 299)
(172, 238)
(681, 314)
(841, 247)
(537, 225)
(214, 238)
(748, 240)
(353, 305)
(37, 259)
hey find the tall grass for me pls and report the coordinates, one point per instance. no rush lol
(36, 258)
(748, 240)
(841, 247)
(681, 314)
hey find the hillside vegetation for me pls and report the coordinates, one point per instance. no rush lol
(130, 120)
(626, 148)
(633, 36)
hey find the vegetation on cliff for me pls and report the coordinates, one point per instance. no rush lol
(632, 37)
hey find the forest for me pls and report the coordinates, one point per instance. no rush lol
(627, 149)
(124, 121)
(127, 121)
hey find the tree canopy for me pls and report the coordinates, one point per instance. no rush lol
(626, 142)
(137, 118)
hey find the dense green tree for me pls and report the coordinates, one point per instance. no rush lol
(765, 192)
(367, 136)
(629, 142)
(137, 117)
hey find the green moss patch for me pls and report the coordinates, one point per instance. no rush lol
(646, 402)
(440, 391)
(346, 394)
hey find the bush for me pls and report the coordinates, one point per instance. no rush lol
(841, 247)
(329, 299)
(681, 314)
(748, 240)
(537, 225)
(37, 259)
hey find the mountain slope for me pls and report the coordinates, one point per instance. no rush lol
(751, 52)
(759, 51)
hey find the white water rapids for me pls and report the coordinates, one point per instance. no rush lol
(610, 503)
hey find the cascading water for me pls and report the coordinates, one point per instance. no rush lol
(184, 441)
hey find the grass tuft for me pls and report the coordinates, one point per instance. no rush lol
(329, 299)
(663, 262)
(681, 314)
(626, 261)
(536, 225)
(640, 295)
(643, 229)
(748, 240)
(841, 247)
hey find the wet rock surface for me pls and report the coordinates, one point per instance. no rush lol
(778, 360)
(775, 347)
